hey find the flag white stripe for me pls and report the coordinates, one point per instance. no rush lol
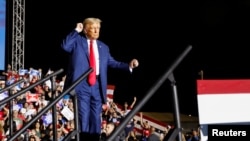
(224, 108)
(110, 91)
(158, 126)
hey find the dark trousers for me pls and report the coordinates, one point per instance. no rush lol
(89, 109)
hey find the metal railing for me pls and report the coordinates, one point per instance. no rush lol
(148, 95)
(52, 104)
(70, 90)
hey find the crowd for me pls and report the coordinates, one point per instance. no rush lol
(31, 102)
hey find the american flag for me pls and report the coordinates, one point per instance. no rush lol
(110, 92)
(160, 126)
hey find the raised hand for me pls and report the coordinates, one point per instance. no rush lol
(79, 27)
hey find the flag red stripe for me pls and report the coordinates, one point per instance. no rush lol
(153, 120)
(110, 96)
(148, 118)
(223, 86)
(111, 87)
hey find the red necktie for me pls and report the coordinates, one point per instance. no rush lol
(92, 75)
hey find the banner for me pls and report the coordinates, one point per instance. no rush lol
(223, 101)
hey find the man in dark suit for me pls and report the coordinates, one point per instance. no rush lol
(90, 96)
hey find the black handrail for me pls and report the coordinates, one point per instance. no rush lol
(11, 97)
(72, 92)
(148, 95)
(12, 85)
(8, 99)
(8, 88)
(51, 104)
(30, 87)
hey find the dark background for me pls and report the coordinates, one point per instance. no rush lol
(155, 33)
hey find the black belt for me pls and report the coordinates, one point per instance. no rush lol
(97, 77)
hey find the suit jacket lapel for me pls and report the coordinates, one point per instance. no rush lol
(99, 51)
(85, 47)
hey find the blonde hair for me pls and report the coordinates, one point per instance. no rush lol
(91, 21)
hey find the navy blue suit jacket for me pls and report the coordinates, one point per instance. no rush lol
(76, 45)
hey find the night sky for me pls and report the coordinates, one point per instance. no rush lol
(154, 33)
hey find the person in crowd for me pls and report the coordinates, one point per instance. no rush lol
(132, 136)
(2, 131)
(32, 138)
(153, 136)
(130, 127)
(87, 51)
(128, 108)
(110, 127)
(145, 127)
(194, 136)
